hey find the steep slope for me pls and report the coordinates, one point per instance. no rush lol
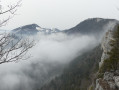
(108, 74)
(77, 76)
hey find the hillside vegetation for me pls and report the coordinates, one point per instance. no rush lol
(112, 63)
(78, 75)
(81, 74)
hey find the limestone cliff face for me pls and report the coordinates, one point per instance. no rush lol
(110, 80)
(105, 44)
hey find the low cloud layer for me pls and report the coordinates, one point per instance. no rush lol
(48, 57)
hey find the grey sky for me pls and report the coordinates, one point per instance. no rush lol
(62, 14)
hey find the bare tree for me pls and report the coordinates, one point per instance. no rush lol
(10, 11)
(12, 49)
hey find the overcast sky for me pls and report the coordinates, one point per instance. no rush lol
(62, 14)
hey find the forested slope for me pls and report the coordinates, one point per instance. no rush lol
(78, 75)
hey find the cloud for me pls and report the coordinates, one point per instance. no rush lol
(50, 54)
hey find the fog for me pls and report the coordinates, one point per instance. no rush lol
(48, 58)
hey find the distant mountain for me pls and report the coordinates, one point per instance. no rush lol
(27, 29)
(92, 26)
(33, 29)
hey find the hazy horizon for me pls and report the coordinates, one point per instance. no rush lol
(67, 59)
(61, 14)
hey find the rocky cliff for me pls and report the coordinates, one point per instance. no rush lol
(109, 78)
(110, 81)
(105, 45)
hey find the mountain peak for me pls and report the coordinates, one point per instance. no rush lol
(92, 26)
(30, 26)
(27, 29)
(32, 29)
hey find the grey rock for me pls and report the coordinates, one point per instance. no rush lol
(98, 86)
(105, 44)
(116, 79)
(112, 85)
(108, 76)
(117, 72)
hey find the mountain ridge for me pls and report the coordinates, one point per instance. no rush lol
(32, 29)
(90, 26)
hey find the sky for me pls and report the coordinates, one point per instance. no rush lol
(61, 14)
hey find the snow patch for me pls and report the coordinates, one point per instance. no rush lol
(98, 19)
(39, 29)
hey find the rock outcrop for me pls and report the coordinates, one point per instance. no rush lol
(110, 79)
(105, 44)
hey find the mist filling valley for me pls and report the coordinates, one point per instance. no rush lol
(52, 53)
(48, 58)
